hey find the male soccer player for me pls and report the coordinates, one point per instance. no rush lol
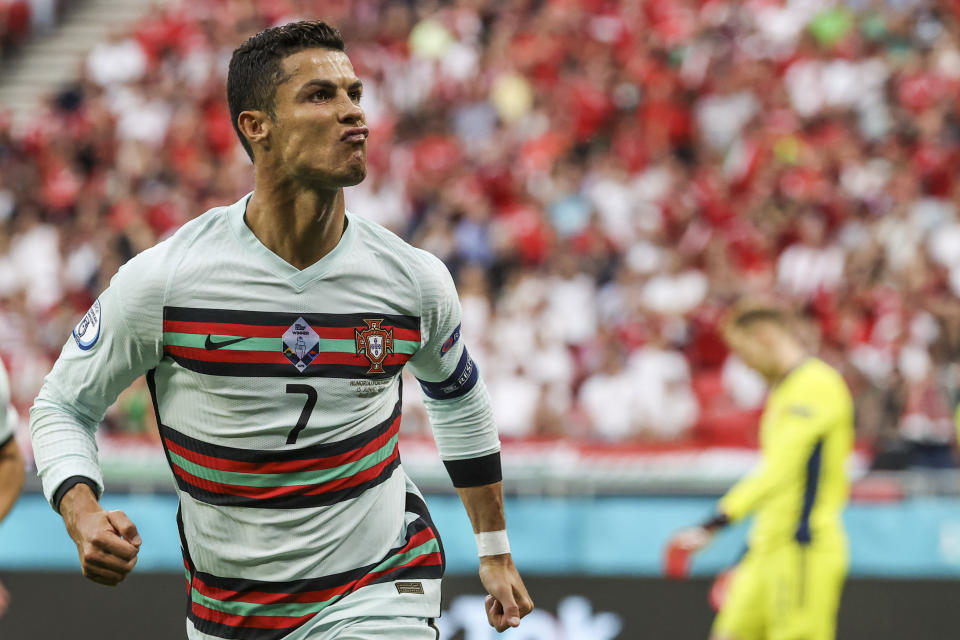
(273, 332)
(11, 462)
(788, 585)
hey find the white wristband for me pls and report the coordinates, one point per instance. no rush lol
(492, 543)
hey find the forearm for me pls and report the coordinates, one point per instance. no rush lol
(508, 600)
(467, 439)
(79, 501)
(484, 505)
(64, 446)
(11, 476)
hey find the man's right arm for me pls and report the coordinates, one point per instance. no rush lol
(118, 340)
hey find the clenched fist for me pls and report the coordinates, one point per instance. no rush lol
(508, 600)
(107, 541)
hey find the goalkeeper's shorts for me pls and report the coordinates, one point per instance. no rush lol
(790, 593)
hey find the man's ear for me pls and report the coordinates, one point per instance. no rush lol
(255, 127)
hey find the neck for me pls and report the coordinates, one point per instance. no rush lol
(299, 225)
(788, 356)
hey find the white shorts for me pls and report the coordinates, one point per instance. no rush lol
(377, 628)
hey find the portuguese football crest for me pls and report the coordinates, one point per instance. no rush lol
(375, 343)
(301, 344)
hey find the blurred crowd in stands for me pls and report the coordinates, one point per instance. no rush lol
(603, 178)
(20, 19)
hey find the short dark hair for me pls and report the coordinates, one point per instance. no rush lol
(748, 314)
(255, 67)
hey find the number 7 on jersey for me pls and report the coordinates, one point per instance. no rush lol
(311, 394)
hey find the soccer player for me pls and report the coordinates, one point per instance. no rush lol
(273, 332)
(788, 584)
(11, 463)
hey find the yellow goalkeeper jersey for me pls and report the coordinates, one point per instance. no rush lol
(801, 486)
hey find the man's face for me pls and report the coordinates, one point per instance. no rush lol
(319, 130)
(753, 344)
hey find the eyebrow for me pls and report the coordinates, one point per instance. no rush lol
(327, 84)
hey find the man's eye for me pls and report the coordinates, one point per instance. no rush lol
(355, 96)
(320, 95)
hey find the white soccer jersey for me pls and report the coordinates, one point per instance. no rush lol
(277, 394)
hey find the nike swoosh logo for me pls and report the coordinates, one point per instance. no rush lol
(211, 345)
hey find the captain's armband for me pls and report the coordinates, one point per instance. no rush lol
(458, 383)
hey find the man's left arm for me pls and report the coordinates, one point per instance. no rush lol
(798, 430)
(508, 600)
(462, 419)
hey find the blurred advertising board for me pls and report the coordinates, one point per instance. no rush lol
(150, 606)
(912, 537)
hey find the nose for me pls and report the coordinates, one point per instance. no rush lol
(350, 112)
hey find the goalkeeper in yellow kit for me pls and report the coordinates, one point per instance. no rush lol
(788, 585)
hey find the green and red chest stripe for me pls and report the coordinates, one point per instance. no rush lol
(252, 343)
(312, 476)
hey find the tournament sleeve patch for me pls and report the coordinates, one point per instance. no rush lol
(463, 378)
(87, 331)
(452, 340)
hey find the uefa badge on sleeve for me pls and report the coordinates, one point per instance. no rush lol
(87, 331)
(375, 343)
